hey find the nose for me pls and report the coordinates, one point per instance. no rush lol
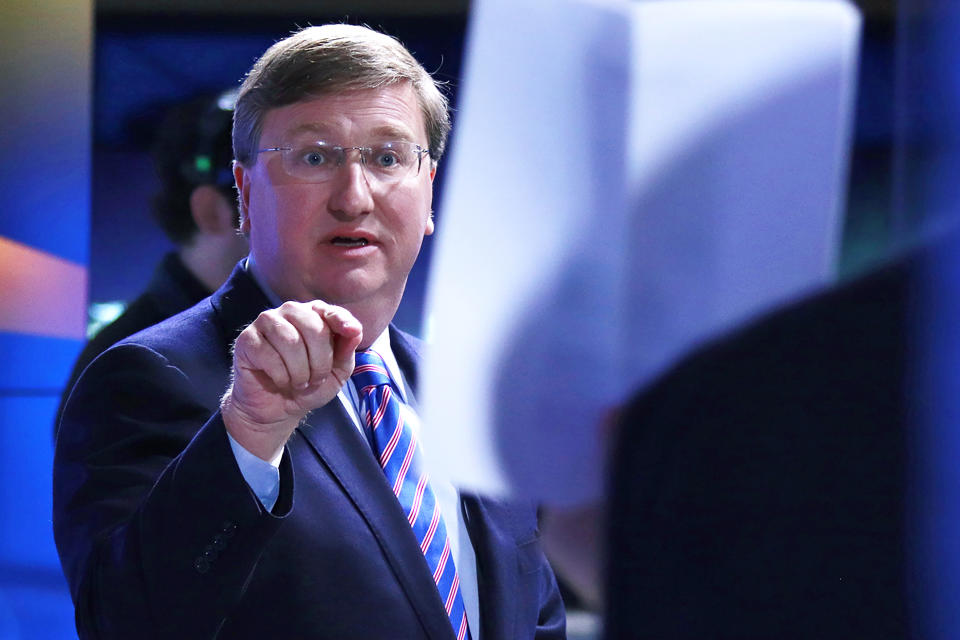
(350, 194)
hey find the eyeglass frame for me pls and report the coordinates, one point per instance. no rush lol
(420, 151)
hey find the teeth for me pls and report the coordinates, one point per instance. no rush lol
(350, 242)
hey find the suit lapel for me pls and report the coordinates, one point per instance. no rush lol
(343, 450)
(238, 303)
(407, 350)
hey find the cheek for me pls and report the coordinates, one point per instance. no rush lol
(419, 207)
(284, 210)
(408, 207)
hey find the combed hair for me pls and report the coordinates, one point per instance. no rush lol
(328, 59)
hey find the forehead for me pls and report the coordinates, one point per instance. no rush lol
(353, 116)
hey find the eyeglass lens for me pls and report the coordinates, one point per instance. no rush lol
(387, 162)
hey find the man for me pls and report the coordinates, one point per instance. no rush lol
(195, 207)
(213, 475)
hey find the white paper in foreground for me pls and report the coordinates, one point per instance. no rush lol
(629, 179)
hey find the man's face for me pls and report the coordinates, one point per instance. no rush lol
(303, 235)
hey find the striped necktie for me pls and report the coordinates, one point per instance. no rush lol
(399, 454)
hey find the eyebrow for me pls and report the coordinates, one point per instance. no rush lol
(382, 132)
(306, 128)
(394, 132)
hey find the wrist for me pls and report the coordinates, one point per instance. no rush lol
(264, 440)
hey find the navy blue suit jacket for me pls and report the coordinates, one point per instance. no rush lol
(172, 289)
(160, 536)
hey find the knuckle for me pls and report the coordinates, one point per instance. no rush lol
(249, 339)
(265, 321)
(286, 335)
(323, 309)
(276, 328)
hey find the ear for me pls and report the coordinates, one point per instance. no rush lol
(211, 211)
(428, 230)
(242, 177)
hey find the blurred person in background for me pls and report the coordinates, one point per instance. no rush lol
(196, 206)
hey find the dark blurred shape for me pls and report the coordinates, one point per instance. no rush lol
(760, 490)
(419, 8)
(193, 147)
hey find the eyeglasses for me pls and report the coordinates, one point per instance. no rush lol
(386, 163)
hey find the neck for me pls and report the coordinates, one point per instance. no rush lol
(374, 317)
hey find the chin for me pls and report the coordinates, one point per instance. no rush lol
(344, 294)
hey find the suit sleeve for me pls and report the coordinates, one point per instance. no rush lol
(552, 623)
(156, 528)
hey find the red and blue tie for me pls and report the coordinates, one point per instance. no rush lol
(396, 446)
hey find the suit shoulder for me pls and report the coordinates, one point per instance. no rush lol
(518, 518)
(187, 333)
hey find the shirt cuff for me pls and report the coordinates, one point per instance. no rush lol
(263, 477)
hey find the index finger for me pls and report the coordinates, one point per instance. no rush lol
(340, 321)
(347, 330)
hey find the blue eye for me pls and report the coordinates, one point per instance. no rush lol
(314, 157)
(387, 158)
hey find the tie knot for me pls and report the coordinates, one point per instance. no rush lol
(370, 370)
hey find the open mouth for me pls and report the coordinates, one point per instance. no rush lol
(342, 241)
